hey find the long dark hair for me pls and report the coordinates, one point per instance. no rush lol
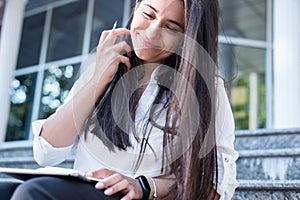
(195, 171)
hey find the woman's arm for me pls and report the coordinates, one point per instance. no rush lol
(62, 128)
(114, 182)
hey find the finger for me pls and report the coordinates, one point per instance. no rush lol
(119, 31)
(101, 173)
(113, 34)
(110, 180)
(118, 187)
(122, 47)
(103, 36)
(125, 60)
(129, 195)
(116, 32)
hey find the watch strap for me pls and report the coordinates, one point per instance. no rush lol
(145, 186)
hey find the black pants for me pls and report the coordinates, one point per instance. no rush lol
(52, 188)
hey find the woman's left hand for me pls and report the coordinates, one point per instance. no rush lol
(114, 182)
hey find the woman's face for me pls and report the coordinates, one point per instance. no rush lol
(156, 29)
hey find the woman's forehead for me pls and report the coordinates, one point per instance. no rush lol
(170, 8)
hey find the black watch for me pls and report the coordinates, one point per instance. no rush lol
(145, 187)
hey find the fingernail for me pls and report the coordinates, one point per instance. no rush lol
(99, 185)
(108, 191)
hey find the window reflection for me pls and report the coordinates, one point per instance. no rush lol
(67, 30)
(243, 18)
(105, 14)
(30, 45)
(22, 93)
(244, 70)
(58, 81)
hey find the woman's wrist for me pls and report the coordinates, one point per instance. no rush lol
(145, 186)
(98, 85)
(153, 192)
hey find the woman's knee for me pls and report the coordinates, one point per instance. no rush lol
(32, 189)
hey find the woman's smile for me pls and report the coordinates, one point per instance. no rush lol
(147, 43)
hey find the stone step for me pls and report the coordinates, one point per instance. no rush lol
(279, 164)
(270, 164)
(29, 162)
(245, 140)
(267, 139)
(16, 149)
(267, 190)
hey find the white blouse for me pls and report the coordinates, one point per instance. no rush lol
(92, 154)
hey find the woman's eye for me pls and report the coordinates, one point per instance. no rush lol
(148, 15)
(171, 29)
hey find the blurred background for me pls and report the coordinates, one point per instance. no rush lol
(54, 36)
(43, 43)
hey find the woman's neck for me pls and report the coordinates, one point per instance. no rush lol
(148, 69)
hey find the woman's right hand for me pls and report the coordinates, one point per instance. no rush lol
(109, 55)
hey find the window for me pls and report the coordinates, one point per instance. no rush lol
(246, 80)
(55, 37)
(67, 29)
(244, 53)
(244, 18)
(22, 94)
(56, 86)
(30, 47)
(105, 15)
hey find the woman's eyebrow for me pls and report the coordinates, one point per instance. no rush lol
(170, 20)
(151, 7)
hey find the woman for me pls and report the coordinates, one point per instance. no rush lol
(157, 110)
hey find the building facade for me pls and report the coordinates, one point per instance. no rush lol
(43, 43)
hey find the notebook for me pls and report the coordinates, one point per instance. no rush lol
(25, 174)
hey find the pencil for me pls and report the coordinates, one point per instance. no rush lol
(115, 25)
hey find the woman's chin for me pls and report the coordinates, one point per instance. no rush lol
(150, 56)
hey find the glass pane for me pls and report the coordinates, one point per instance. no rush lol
(58, 81)
(67, 30)
(245, 75)
(105, 14)
(31, 40)
(33, 4)
(243, 18)
(21, 98)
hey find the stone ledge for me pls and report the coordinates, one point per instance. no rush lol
(15, 160)
(274, 168)
(15, 145)
(266, 195)
(268, 185)
(267, 132)
(286, 152)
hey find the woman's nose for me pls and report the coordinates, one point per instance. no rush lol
(154, 31)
